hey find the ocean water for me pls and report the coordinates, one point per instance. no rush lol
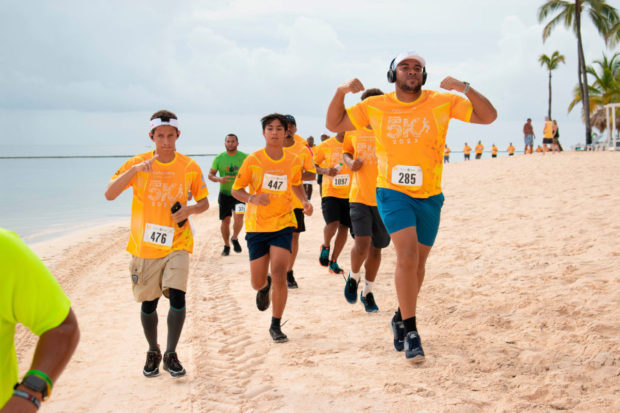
(41, 198)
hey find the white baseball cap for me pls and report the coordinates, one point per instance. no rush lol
(409, 55)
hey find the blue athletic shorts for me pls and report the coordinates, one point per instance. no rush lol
(400, 211)
(259, 242)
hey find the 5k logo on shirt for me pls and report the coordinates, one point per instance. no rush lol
(164, 194)
(402, 130)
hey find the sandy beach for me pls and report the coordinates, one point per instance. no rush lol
(520, 310)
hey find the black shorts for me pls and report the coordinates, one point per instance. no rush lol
(259, 242)
(494, 156)
(547, 141)
(301, 223)
(227, 205)
(366, 222)
(319, 179)
(478, 155)
(336, 209)
(466, 156)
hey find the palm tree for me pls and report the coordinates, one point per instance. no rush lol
(605, 19)
(552, 64)
(606, 85)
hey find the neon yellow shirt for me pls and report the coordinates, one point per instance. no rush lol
(410, 138)
(154, 193)
(29, 294)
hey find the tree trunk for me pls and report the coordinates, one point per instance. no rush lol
(549, 111)
(585, 95)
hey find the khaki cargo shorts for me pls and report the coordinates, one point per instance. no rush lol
(152, 277)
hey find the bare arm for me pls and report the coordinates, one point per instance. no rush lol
(353, 164)
(299, 192)
(54, 350)
(327, 171)
(220, 179)
(483, 110)
(117, 186)
(337, 118)
(243, 196)
(308, 176)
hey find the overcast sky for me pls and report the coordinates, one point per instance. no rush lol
(92, 72)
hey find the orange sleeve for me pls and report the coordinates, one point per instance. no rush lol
(347, 144)
(244, 176)
(358, 114)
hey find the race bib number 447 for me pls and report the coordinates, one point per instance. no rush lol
(274, 183)
(407, 175)
(159, 235)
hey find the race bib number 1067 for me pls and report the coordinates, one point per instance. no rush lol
(407, 175)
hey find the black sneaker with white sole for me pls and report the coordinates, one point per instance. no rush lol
(226, 251)
(151, 367)
(172, 365)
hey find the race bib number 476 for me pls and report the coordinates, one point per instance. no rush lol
(407, 175)
(159, 235)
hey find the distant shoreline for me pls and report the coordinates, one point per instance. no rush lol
(88, 156)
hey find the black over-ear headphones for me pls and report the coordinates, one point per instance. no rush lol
(391, 73)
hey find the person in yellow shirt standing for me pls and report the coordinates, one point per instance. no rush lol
(274, 177)
(479, 150)
(370, 235)
(446, 154)
(298, 145)
(466, 151)
(511, 150)
(334, 199)
(410, 126)
(161, 237)
(548, 132)
(493, 151)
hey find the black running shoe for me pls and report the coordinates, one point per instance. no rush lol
(172, 365)
(350, 289)
(324, 257)
(236, 245)
(398, 328)
(226, 251)
(413, 347)
(290, 280)
(334, 268)
(369, 303)
(262, 296)
(277, 335)
(151, 367)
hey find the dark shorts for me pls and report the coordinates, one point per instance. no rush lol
(466, 156)
(548, 141)
(399, 211)
(366, 222)
(260, 242)
(494, 155)
(319, 179)
(336, 209)
(227, 205)
(301, 223)
(478, 155)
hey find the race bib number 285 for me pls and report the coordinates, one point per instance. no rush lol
(407, 175)
(159, 235)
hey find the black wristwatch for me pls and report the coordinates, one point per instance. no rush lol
(36, 383)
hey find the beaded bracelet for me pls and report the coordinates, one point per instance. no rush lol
(28, 397)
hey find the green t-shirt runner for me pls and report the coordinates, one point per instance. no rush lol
(227, 165)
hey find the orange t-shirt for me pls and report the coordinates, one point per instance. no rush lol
(548, 130)
(446, 151)
(328, 154)
(410, 138)
(275, 177)
(301, 149)
(511, 149)
(153, 232)
(360, 144)
(494, 150)
(479, 149)
(466, 149)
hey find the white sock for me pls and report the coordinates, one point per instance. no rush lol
(367, 287)
(355, 275)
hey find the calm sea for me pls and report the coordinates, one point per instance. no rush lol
(42, 198)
